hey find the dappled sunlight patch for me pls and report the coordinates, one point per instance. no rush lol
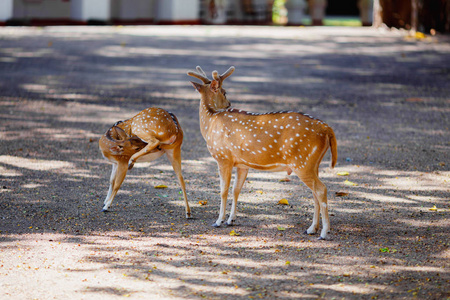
(377, 197)
(350, 210)
(252, 79)
(196, 163)
(32, 185)
(147, 69)
(73, 96)
(355, 289)
(445, 254)
(144, 165)
(440, 269)
(175, 96)
(6, 172)
(418, 223)
(21, 53)
(272, 176)
(36, 88)
(8, 59)
(425, 199)
(66, 133)
(34, 164)
(78, 174)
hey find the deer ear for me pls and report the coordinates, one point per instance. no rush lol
(214, 86)
(196, 85)
(121, 133)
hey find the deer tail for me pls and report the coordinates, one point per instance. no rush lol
(333, 148)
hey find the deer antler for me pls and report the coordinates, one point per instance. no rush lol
(227, 73)
(222, 77)
(200, 70)
(200, 75)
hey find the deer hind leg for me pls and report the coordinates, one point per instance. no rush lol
(118, 173)
(152, 143)
(241, 175)
(319, 191)
(174, 157)
(225, 178)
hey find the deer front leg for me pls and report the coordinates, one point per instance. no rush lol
(241, 175)
(152, 144)
(225, 177)
(174, 157)
(118, 173)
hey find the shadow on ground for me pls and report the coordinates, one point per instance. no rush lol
(386, 96)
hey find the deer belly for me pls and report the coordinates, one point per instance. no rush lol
(268, 167)
(151, 156)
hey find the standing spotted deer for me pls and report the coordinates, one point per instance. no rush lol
(276, 141)
(143, 138)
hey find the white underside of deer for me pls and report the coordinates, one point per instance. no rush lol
(143, 138)
(277, 141)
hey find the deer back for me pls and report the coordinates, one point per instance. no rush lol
(267, 140)
(155, 123)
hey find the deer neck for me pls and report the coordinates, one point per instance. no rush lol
(125, 126)
(208, 112)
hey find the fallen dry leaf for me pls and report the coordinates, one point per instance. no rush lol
(203, 202)
(341, 194)
(283, 202)
(161, 186)
(434, 208)
(344, 173)
(285, 180)
(414, 99)
(347, 182)
(419, 35)
(234, 233)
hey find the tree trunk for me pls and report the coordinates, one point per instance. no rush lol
(377, 14)
(434, 14)
(422, 15)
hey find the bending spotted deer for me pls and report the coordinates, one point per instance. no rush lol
(276, 141)
(143, 138)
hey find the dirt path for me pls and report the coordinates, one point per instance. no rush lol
(385, 95)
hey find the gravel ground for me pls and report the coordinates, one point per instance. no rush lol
(385, 94)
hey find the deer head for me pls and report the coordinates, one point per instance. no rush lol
(122, 143)
(213, 94)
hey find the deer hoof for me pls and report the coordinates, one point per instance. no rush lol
(229, 223)
(130, 166)
(105, 210)
(215, 225)
(321, 238)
